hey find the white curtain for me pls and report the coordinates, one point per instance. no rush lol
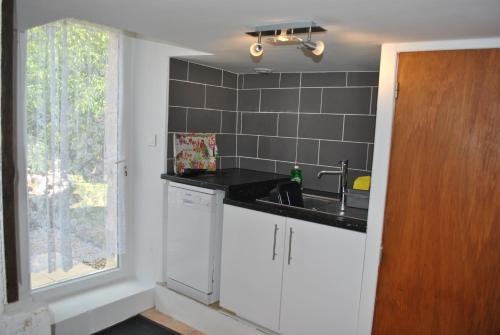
(73, 146)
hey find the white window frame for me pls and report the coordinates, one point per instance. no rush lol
(72, 286)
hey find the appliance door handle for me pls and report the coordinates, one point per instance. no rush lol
(290, 246)
(274, 243)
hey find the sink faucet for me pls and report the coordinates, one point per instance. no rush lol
(342, 172)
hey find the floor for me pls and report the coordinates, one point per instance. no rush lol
(137, 325)
(171, 323)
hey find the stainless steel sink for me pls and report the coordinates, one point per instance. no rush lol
(323, 204)
(316, 202)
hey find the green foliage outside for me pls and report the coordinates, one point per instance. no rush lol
(66, 68)
(83, 52)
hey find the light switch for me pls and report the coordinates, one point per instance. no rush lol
(152, 141)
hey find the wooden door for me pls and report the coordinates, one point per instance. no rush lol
(252, 265)
(440, 271)
(321, 280)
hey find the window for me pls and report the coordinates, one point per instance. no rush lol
(73, 132)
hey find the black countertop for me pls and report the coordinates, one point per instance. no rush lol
(226, 179)
(328, 219)
(243, 187)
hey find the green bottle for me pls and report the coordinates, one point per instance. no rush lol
(296, 175)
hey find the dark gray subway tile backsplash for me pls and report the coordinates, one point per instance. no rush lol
(221, 98)
(257, 164)
(204, 74)
(359, 128)
(362, 79)
(285, 100)
(261, 80)
(346, 100)
(287, 124)
(278, 148)
(203, 121)
(333, 152)
(203, 99)
(310, 100)
(177, 118)
(307, 151)
(290, 80)
(229, 122)
(269, 122)
(323, 79)
(186, 94)
(259, 123)
(229, 79)
(248, 100)
(321, 126)
(178, 69)
(247, 145)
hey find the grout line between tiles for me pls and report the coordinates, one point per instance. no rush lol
(258, 140)
(302, 163)
(371, 100)
(367, 155)
(260, 97)
(321, 102)
(197, 83)
(308, 138)
(220, 126)
(218, 68)
(319, 148)
(298, 120)
(343, 127)
(205, 104)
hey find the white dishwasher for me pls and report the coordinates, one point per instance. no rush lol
(194, 233)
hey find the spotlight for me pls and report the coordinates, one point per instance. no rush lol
(317, 48)
(257, 49)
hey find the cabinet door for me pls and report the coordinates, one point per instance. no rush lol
(321, 279)
(252, 264)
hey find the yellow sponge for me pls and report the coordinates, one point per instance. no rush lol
(362, 183)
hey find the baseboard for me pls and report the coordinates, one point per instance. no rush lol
(204, 318)
(105, 314)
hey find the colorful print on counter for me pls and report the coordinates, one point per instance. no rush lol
(195, 151)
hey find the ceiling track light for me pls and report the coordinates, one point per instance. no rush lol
(286, 33)
(317, 48)
(257, 49)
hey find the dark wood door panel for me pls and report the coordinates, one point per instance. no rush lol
(441, 268)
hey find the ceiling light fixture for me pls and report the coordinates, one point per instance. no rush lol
(287, 34)
(317, 48)
(283, 36)
(257, 49)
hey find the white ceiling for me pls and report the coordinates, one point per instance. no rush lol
(356, 28)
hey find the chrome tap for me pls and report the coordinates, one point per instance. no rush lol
(342, 172)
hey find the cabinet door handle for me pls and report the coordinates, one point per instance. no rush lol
(274, 243)
(290, 247)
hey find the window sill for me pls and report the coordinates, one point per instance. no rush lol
(77, 304)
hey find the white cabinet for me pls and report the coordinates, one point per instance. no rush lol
(312, 286)
(322, 280)
(252, 264)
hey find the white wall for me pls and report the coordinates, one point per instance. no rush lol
(147, 93)
(146, 72)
